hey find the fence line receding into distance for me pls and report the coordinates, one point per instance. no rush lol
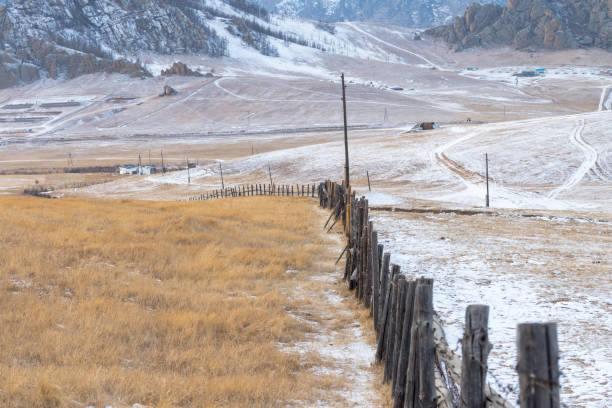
(291, 190)
(418, 364)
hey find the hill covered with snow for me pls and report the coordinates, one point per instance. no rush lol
(412, 13)
(41, 38)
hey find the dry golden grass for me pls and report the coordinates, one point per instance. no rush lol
(162, 304)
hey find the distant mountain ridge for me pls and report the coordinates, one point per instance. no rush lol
(412, 13)
(544, 24)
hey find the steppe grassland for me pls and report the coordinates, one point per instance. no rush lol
(162, 304)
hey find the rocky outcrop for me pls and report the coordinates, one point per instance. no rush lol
(544, 24)
(411, 13)
(65, 39)
(180, 69)
(168, 91)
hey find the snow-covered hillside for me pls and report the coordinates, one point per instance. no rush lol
(65, 40)
(413, 13)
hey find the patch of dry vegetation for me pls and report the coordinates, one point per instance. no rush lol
(162, 304)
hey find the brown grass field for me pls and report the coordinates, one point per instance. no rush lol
(162, 304)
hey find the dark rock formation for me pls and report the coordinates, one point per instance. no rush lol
(412, 13)
(65, 39)
(178, 68)
(168, 91)
(545, 24)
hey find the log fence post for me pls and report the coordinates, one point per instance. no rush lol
(390, 337)
(420, 387)
(399, 387)
(538, 365)
(475, 348)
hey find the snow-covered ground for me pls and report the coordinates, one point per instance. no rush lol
(525, 270)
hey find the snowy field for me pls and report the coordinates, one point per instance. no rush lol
(547, 138)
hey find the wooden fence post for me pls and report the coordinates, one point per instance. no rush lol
(384, 282)
(362, 264)
(390, 335)
(368, 268)
(475, 348)
(384, 322)
(375, 281)
(400, 315)
(420, 387)
(538, 365)
(399, 389)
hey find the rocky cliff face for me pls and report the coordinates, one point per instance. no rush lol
(549, 24)
(413, 13)
(67, 38)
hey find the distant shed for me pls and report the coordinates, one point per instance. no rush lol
(134, 169)
(427, 125)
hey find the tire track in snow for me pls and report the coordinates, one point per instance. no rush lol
(182, 100)
(605, 103)
(334, 100)
(588, 163)
(352, 25)
(474, 181)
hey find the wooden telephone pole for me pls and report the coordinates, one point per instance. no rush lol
(222, 183)
(487, 176)
(270, 174)
(188, 174)
(162, 157)
(346, 155)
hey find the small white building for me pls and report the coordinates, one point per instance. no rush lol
(134, 169)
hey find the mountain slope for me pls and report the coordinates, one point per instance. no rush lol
(67, 38)
(552, 24)
(413, 13)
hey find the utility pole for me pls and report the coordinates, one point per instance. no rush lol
(346, 156)
(139, 165)
(368, 174)
(162, 157)
(270, 174)
(487, 175)
(188, 174)
(222, 183)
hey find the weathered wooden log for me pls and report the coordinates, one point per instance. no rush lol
(375, 281)
(368, 267)
(420, 386)
(538, 365)
(388, 354)
(400, 315)
(399, 389)
(386, 283)
(475, 348)
(362, 283)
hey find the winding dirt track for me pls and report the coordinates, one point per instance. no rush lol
(588, 163)
(458, 169)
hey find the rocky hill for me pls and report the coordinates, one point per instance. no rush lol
(543, 24)
(67, 38)
(413, 13)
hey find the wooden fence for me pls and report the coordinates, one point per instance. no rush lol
(418, 364)
(291, 190)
